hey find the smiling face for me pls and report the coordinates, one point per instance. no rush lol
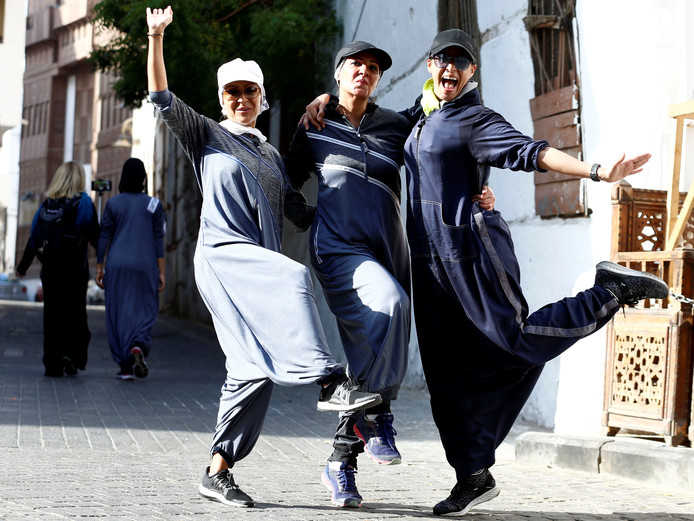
(244, 105)
(449, 81)
(359, 75)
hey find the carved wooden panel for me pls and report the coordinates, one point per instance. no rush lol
(639, 220)
(648, 375)
(638, 371)
(649, 229)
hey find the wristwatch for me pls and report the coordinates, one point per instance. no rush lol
(594, 172)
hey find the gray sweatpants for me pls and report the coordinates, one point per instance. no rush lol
(264, 311)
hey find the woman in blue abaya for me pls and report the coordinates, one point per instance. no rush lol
(132, 240)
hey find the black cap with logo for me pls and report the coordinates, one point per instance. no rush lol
(454, 38)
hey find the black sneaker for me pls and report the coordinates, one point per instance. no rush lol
(221, 487)
(476, 489)
(139, 364)
(69, 367)
(343, 395)
(629, 286)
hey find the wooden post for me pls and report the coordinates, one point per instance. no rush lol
(675, 223)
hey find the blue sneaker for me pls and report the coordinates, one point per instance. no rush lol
(379, 439)
(338, 477)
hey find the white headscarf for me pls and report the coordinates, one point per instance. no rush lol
(239, 70)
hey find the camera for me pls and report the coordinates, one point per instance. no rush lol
(101, 185)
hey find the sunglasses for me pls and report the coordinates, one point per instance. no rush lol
(461, 62)
(249, 92)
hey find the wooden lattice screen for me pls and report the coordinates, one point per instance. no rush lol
(648, 372)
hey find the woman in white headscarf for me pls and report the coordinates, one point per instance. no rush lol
(262, 303)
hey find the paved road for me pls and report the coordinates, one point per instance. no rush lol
(96, 447)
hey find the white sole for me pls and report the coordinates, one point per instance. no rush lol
(334, 407)
(487, 496)
(216, 496)
(350, 504)
(619, 269)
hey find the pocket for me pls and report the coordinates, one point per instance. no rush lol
(453, 243)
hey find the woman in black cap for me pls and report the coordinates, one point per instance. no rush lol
(132, 241)
(481, 351)
(359, 252)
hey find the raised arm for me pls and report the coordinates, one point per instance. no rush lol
(557, 161)
(157, 21)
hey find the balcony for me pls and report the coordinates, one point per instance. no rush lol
(40, 26)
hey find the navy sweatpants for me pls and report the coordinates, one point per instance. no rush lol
(481, 352)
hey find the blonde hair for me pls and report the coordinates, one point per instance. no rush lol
(68, 181)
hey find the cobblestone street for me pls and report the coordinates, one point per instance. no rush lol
(97, 447)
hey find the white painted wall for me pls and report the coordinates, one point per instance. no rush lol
(12, 59)
(624, 108)
(507, 84)
(9, 193)
(405, 29)
(11, 90)
(633, 64)
(635, 59)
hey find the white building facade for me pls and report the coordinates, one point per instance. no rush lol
(634, 58)
(12, 36)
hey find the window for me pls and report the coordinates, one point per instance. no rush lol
(555, 109)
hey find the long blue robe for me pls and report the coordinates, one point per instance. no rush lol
(132, 232)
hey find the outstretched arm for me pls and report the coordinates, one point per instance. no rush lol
(157, 21)
(557, 161)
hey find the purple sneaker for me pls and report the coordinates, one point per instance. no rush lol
(338, 477)
(379, 439)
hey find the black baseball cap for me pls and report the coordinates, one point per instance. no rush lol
(454, 38)
(384, 59)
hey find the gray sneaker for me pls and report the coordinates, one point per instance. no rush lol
(343, 395)
(221, 487)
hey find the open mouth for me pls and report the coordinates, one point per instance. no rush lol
(449, 83)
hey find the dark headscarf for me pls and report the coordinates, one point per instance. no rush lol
(133, 177)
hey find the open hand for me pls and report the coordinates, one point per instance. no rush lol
(315, 112)
(159, 19)
(623, 167)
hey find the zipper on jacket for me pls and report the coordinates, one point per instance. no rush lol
(419, 131)
(364, 150)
